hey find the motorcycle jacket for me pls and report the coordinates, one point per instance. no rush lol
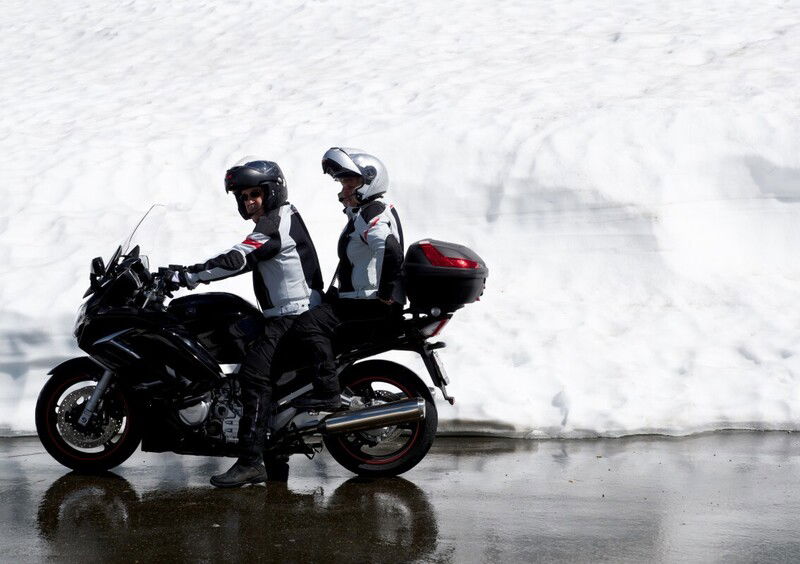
(371, 253)
(287, 279)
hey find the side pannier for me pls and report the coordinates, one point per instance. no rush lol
(442, 275)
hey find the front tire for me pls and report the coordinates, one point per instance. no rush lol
(108, 440)
(387, 451)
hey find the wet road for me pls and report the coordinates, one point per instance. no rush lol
(723, 497)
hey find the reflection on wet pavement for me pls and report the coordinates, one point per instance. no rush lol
(98, 518)
(717, 497)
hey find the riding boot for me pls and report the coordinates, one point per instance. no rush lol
(249, 468)
(246, 470)
(326, 395)
(327, 402)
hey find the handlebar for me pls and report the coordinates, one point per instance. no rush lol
(161, 284)
(157, 287)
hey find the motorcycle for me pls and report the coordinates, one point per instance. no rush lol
(163, 374)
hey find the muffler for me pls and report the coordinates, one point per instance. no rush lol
(375, 417)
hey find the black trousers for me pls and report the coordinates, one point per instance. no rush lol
(257, 385)
(314, 332)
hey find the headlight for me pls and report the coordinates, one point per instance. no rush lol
(76, 328)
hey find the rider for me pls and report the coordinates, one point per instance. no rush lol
(287, 281)
(370, 258)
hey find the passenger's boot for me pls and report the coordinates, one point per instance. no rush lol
(326, 395)
(327, 402)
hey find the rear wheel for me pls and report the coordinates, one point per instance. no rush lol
(386, 451)
(106, 441)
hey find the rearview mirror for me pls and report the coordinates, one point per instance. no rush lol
(98, 268)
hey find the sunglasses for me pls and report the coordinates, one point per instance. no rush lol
(252, 195)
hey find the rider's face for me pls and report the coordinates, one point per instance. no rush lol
(348, 194)
(253, 199)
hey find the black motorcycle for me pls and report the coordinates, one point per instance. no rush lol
(165, 374)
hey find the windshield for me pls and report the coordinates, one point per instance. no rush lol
(146, 228)
(146, 233)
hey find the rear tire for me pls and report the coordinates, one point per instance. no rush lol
(391, 450)
(111, 437)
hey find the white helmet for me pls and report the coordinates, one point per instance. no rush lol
(341, 162)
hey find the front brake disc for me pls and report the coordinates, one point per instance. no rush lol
(97, 433)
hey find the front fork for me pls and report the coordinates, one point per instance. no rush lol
(91, 405)
(435, 367)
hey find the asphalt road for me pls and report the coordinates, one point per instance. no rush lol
(722, 497)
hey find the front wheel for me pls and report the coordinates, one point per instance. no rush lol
(386, 451)
(110, 437)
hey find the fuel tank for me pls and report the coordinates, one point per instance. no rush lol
(223, 323)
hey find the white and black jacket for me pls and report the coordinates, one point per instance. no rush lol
(286, 275)
(371, 253)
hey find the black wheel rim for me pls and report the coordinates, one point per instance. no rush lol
(388, 444)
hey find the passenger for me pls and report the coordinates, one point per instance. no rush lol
(370, 259)
(287, 281)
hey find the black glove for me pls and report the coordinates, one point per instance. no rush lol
(167, 277)
(181, 276)
(174, 277)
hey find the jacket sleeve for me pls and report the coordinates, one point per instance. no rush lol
(261, 244)
(387, 251)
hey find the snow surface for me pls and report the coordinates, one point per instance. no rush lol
(630, 171)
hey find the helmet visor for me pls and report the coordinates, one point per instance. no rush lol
(241, 177)
(338, 164)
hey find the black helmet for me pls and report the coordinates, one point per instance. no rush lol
(252, 174)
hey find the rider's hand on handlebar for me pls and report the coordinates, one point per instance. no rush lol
(175, 276)
(167, 280)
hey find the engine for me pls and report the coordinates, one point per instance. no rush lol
(218, 414)
(226, 411)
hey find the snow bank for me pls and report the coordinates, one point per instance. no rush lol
(631, 174)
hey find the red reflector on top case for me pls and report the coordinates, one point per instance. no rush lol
(436, 258)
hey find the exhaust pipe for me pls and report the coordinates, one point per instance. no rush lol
(384, 415)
